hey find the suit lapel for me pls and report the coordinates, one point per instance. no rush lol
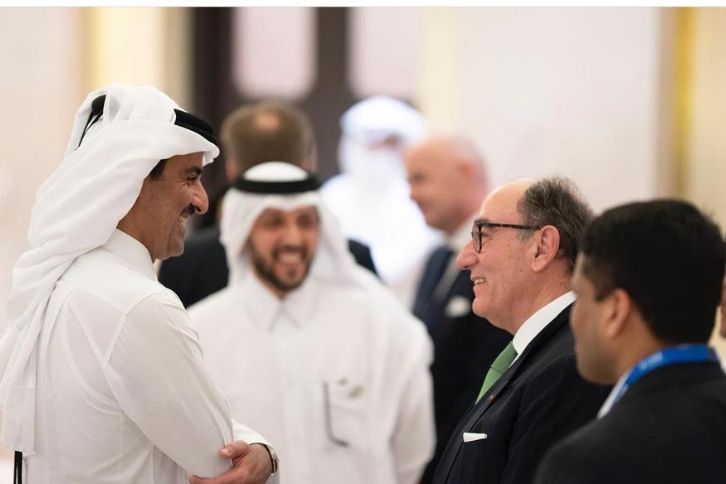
(475, 411)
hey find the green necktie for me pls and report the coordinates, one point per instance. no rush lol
(499, 366)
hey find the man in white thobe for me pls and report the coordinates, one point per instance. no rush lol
(310, 348)
(102, 374)
(370, 197)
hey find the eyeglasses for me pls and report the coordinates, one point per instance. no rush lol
(476, 235)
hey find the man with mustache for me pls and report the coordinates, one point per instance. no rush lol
(252, 134)
(102, 374)
(310, 347)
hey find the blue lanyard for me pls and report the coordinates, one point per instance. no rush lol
(693, 353)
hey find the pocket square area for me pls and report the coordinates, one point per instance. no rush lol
(458, 306)
(471, 437)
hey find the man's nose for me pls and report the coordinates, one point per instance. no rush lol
(200, 201)
(467, 256)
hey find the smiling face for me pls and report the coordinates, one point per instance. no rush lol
(158, 217)
(499, 271)
(282, 246)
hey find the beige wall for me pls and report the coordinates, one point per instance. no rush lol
(705, 143)
(40, 88)
(578, 95)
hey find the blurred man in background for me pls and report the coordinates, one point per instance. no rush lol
(370, 195)
(254, 134)
(448, 182)
(312, 347)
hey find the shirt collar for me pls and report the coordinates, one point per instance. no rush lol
(539, 320)
(131, 251)
(267, 309)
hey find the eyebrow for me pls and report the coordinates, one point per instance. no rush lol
(193, 170)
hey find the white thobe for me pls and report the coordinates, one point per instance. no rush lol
(336, 376)
(123, 396)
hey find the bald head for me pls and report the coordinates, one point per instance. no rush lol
(448, 180)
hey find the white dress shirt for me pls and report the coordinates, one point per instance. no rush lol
(123, 396)
(539, 320)
(335, 375)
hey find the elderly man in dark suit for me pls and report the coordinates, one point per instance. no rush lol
(521, 257)
(648, 282)
(448, 182)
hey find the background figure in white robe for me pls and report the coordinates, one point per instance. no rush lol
(370, 197)
(102, 374)
(311, 348)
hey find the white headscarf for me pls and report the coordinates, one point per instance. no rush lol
(240, 210)
(76, 210)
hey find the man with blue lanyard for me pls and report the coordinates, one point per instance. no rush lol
(648, 282)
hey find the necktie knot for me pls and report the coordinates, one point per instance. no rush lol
(500, 364)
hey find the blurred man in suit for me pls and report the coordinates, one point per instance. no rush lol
(648, 282)
(254, 134)
(448, 182)
(521, 257)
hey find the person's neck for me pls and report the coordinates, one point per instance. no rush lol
(641, 347)
(129, 230)
(541, 297)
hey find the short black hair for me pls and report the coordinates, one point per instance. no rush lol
(556, 201)
(668, 256)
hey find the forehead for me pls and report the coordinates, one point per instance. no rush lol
(501, 205)
(307, 210)
(183, 163)
(426, 156)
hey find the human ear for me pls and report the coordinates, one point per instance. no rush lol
(547, 241)
(618, 306)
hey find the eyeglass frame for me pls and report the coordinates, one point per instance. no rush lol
(478, 224)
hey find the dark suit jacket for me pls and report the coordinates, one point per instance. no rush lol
(539, 399)
(670, 426)
(465, 345)
(202, 269)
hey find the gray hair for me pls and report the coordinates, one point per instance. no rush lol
(556, 201)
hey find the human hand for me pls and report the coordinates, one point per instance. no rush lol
(250, 465)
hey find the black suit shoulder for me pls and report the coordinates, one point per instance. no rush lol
(540, 399)
(669, 427)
